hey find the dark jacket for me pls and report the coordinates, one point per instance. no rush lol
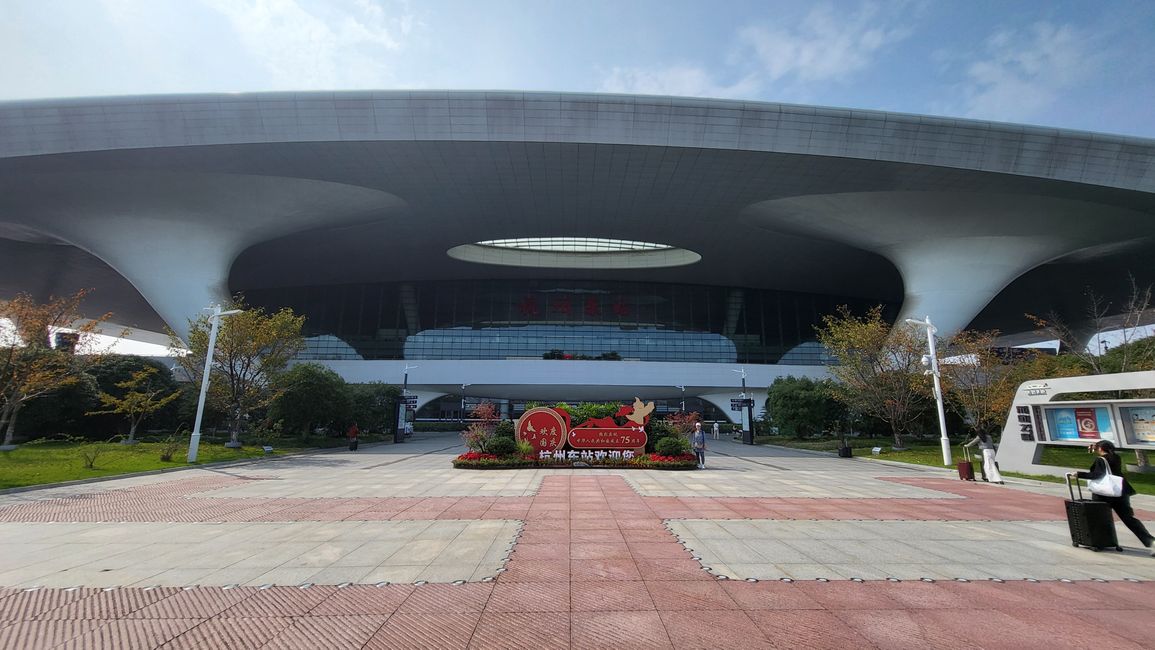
(1099, 468)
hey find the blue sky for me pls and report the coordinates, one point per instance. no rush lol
(1084, 65)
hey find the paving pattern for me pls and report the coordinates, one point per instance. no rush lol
(599, 559)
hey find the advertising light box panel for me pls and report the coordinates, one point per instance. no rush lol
(1139, 424)
(1079, 423)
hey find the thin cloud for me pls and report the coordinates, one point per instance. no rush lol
(683, 81)
(826, 46)
(1022, 73)
(320, 45)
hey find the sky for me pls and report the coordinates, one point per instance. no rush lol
(1086, 65)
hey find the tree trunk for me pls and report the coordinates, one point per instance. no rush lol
(897, 437)
(10, 432)
(1141, 459)
(132, 431)
(235, 428)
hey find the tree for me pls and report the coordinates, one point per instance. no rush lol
(252, 349)
(113, 369)
(1129, 356)
(878, 370)
(802, 407)
(310, 396)
(140, 399)
(980, 383)
(1101, 318)
(372, 405)
(30, 367)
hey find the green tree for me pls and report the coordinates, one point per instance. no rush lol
(30, 367)
(980, 383)
(801, 406)
(372, 405)
(252, 348)
(116, 368)
(139, 399)
(310, 396)
(878, 370)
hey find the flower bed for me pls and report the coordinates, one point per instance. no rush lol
(479, 460)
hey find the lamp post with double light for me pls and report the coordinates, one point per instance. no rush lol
(214, 325)
(462, 414)
(931, 360)
(748, 425)
(683, 389)
(399, 435)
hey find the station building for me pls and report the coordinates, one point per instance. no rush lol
(544, 246)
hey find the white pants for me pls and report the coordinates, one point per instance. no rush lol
(989, 468)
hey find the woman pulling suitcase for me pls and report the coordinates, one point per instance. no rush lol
(1108, 462)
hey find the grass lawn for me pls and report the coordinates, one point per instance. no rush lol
(928, 452)
(39, 463)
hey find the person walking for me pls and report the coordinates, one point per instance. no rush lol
(353, 434)
(698, 444)
(987, 446)
(1109, 461)
(717, 429)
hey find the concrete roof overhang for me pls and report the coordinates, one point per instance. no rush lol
(164, 203)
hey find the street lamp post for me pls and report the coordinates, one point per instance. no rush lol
(462, 414)
(683, 389)
(748, 431)
(194, 441)
(931, 330)
(399, 435)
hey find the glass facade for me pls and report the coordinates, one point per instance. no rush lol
(522, 319)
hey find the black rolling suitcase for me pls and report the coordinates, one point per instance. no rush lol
(1090, 521)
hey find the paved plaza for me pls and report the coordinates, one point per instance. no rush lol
(391, 547)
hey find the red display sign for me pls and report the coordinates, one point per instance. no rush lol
(544, 428)
(1088, 424)
(604, 438)
(548, 429)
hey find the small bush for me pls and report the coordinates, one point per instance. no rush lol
(501, 446)
(169, 446)
(504, 429)
(524, 448)
(672, 446)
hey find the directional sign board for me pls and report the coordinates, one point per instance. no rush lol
(410, 401)
(739, 404)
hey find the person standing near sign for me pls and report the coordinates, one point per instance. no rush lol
(1109, 461)
(698, 444)
(987, 445)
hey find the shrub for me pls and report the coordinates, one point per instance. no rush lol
(657, 430)
(524, 448)
(504, 429)
(501, 446)
(672, 446)
(476, 437)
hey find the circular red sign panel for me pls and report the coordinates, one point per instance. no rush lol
(542, 427)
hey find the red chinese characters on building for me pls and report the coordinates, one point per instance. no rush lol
(592, 308)
(544, 428)
(528, 306)
(560, 305)
(621, 308)
(531, 306)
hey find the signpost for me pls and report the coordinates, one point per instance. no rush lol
(739, 404)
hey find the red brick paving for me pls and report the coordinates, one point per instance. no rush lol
(594, 567)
